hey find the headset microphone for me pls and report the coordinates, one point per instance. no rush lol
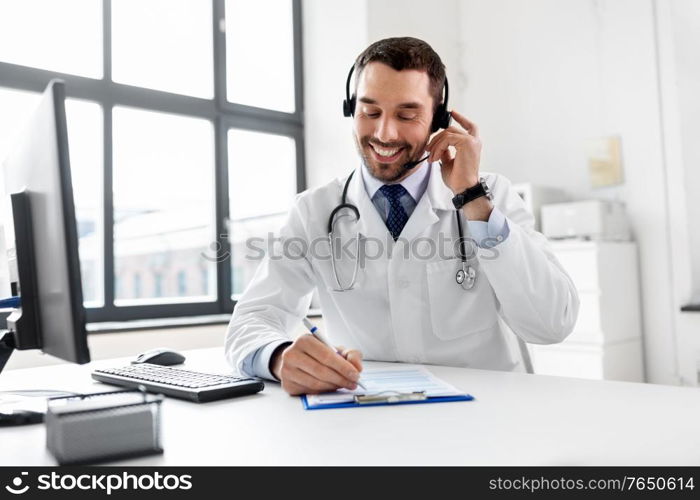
(410, 164)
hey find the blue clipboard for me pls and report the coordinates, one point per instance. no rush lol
(353, 404)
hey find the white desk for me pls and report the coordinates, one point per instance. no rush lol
(516, 419)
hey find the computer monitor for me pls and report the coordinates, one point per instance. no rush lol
(43, 229)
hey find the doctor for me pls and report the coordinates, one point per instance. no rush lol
(409, 291)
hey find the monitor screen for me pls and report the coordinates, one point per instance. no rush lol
(37, 176)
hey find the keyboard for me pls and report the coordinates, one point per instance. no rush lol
(178, 383)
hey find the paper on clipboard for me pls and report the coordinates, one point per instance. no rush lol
(400, 380)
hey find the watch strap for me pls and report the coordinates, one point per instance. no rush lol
(471, 194)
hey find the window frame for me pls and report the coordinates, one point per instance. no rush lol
(222, 114)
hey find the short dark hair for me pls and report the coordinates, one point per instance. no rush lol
(406, 52)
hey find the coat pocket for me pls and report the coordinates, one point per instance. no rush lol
(454, 311)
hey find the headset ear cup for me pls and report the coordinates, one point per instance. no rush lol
(441, 119)
(446, 119)
(349, 107)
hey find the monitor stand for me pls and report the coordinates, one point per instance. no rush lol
(17, 417)
(21, 416)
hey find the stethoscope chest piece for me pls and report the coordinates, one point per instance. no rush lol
(466, 277)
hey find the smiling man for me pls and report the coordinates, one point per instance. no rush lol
(445, 254)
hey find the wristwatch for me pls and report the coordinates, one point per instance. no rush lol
(472, 193)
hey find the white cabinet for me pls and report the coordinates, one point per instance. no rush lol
(607, 340)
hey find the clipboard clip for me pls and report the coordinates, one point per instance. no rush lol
(390, 397)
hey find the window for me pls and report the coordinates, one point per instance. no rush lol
(157, 284)
(182, 283)
(85, 146)
(204, 278)
(61, 36)
(163, 172)
(266, 65)
(137, 286)
(254, 216)
(119, 285)
(164, 45)
(16, 106)
(168, 103)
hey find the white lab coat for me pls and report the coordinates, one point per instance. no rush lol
(409, 310)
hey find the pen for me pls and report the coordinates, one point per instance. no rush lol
(320, 336)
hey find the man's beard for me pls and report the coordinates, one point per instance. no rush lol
(388, 172)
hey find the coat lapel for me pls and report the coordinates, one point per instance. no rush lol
(437, 198)
(371, 223)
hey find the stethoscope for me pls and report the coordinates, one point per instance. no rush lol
(465, 276)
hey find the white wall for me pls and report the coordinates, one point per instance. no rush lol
(686, 30)
(542, 77)
(533, 87)
(678, 41)
(435, 24)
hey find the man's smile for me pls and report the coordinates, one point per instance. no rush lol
(386, 155)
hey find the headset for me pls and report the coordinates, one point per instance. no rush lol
(441, 118)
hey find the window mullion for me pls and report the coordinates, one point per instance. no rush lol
(107, 179)
(223, 268)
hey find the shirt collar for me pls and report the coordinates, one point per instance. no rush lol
(415, 184)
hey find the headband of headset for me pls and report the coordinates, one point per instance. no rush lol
(441, 118)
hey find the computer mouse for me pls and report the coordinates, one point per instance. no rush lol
(163, 357)
(21, 417)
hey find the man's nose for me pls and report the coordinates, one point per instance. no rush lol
(386, 130)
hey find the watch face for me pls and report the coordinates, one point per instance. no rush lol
(487, 190)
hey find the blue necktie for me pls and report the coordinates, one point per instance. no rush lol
(397, 215)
